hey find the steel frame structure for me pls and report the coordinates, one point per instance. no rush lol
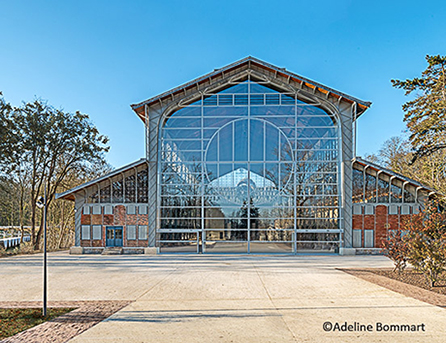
(230, 99)
(346, 108)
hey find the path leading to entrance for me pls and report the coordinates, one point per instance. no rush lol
(190, 298)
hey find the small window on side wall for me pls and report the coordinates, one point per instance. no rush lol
(97, 231)
(131, 232)
(85, 232)
(142, 232)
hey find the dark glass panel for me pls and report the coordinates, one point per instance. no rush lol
(180, 223)
(370, 188)
(396, 193)
(383, 191)
(181, 200)
(178, 236)
(130, 189)
(317, 224)
(409, 194)
(358, 186)
(105, 194)
(117, 191)
(178, 212)
(94, 198)
(142, 186)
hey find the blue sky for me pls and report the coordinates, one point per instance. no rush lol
(98, 57)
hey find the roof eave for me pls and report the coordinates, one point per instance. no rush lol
(69, 194)
(391, 172)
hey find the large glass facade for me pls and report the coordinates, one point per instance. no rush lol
(249, 169)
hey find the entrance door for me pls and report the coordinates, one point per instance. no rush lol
(114, 236)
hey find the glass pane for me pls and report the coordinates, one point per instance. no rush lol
(272, 235)
(256, 140)
(275, 248)
(383, 191)
(241, 140)
(370, 188)
(265, 169)
(396, 193)
(229, 247)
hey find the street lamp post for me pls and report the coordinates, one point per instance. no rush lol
(42, 203)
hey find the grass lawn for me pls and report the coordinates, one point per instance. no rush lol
(15, 320)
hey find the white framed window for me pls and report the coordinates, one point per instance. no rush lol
(85, 232)
(97, 232)
(131, 232)
(142, 232)
(131, 209)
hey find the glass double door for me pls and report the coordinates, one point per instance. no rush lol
(114, 236)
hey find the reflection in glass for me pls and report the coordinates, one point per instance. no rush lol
(249, 164)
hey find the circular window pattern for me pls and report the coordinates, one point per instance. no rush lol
(249, 160)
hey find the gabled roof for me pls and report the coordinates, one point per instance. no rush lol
(364, 163)
(249, 61)
(69, 195)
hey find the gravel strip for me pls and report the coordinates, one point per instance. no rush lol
(406, 289)
(67, 326)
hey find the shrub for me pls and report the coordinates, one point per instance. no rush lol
(426, 239)
(27, 248)
(396, 248)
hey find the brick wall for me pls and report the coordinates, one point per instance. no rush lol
(380, 221)
(118, 218)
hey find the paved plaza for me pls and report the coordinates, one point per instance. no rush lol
(225, 298)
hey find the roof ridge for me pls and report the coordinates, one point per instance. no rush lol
(242, 61)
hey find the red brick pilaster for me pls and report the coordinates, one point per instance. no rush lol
(380, 225)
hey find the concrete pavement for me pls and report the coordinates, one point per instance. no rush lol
(226, 298)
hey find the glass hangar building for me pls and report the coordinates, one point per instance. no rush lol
(250, 158)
